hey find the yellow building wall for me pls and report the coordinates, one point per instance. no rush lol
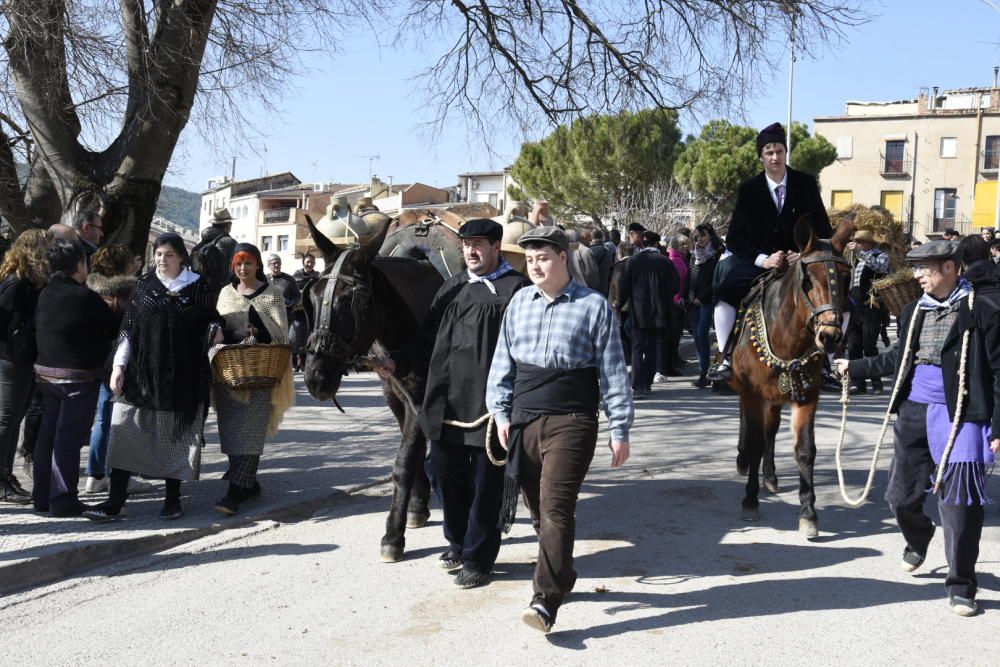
(892, 201)
(841, 199)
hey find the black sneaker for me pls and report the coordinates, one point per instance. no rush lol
(171, 511)
(472, 579)
(104, 512)
(538, 617)
(963, 606)
(74, 510)
(450, 560)
(15, 484)
(9, 496)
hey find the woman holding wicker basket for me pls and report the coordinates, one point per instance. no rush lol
(254, 311)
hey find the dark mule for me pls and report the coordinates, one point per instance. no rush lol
(778, 359)
(360, 300)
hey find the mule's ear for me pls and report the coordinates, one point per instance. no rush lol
(805, 234)
(841, 235)
(323, 244)
(368, 252)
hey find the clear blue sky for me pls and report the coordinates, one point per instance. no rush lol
(910, 44)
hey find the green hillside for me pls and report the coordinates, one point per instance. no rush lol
(179, 206)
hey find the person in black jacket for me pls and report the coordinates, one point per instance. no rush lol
(865, 324)
(22, 276)
(707, 249)
(948, 372)
(761, 234)
(648, 285)
(74, 339)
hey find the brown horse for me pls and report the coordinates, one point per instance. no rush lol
(778, 359)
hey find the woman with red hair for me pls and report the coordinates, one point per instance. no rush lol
(250, 306)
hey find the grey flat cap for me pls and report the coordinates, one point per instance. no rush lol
(551, 235)
(939, 249)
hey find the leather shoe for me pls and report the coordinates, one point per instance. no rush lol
(720, 372)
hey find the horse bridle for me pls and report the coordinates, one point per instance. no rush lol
(323, 340)
(829, 264)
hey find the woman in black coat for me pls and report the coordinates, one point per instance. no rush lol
(707, 248)
(74, 341)
(22, 276)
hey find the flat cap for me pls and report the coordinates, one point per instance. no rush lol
(636, 227)
(551, 235)
(939, 249)
(491, 229)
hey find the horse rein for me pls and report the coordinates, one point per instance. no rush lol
(323, 336)
(829, 264)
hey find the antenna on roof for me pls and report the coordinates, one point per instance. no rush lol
(370, 159)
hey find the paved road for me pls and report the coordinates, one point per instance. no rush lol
(668, 573)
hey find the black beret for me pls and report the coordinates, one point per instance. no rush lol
(772, 134)
(636, 227)
(491, 229)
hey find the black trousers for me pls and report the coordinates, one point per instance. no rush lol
(909, 481)
(471, 490)
(862, 336)
(68, 411)
(558, 450)
(645, 343)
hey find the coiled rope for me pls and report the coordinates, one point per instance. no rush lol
(897, 384)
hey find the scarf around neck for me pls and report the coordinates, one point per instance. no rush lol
(962, 289)
(702, 255)
(488, 279)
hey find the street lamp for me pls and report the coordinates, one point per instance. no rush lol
(791, 8)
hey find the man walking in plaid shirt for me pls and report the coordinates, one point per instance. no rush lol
(558, 356)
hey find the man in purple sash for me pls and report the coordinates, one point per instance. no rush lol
(951, 344)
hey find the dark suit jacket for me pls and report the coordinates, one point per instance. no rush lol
(648, 285)
(756, 227)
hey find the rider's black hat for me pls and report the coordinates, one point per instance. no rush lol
(484, 227)
(772, 134)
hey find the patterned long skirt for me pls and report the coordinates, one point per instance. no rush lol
(143, 441)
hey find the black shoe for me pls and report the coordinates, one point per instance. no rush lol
(877, 388)
(720, 372)
(106, 511)
(911, 559)
(15, 484)
(74, 510)
(639, 394)
(855, 390)
(963, 606)
(723, 388)
(228, 506)
(171, 511)
(472, 579)
(702, 381)
(9, 496)
(538, 617)
(450, 560)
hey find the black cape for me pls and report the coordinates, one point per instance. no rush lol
(464, 326)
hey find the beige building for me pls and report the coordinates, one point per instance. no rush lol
(932, 161)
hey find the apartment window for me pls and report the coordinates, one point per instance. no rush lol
(841, 199)
(845, 148)
(283, 243)
(494, 199)
(991, 155)
(949, 147)
(265, 243)
(892, 201)
(895, 157)
(944, 208)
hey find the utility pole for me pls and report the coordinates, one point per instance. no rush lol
(790, 8)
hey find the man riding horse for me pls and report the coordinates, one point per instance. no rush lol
(761, 233)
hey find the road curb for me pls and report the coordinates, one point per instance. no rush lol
(22, 576)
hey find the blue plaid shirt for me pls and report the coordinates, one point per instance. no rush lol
(577, 329)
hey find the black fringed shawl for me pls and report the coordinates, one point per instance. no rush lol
(169, 335)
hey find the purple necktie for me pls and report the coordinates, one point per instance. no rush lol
(779, 196)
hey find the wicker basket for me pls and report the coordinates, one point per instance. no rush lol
(898, 290)
(251, 365)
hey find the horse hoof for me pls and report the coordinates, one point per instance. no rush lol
(808, 528)
(391, 554)
(750, 514)
(742, 467)
(771, 484)
(417, 520)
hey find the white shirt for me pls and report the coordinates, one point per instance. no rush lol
(183, 279)
(771, 186)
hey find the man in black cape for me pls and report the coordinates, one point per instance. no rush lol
(465, 319)
(761, 234)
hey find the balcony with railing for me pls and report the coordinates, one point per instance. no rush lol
(274, 216)
(960, 223)
(895, 165)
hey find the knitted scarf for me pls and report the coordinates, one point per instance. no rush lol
(703, 254)
(928, 302)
